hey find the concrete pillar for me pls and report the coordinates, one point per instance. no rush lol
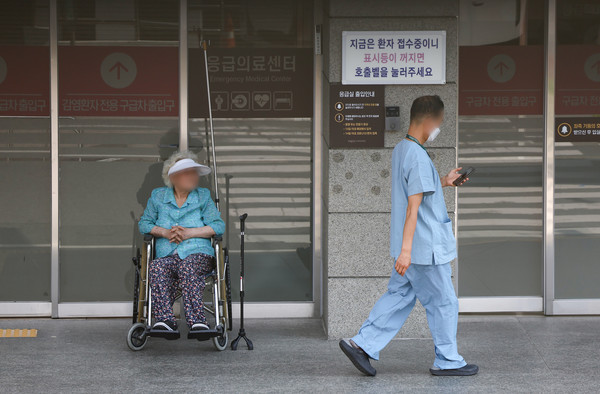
(357, 204)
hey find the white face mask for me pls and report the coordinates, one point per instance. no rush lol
(433, 134)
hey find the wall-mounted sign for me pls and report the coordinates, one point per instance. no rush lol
(501, 80)
(24, 81)
(393, 57)
(577, 129)
(356, 116)
(577, 79)
(118, 81)
(252, 82)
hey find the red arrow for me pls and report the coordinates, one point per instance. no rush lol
(118, 66)
(502, 67)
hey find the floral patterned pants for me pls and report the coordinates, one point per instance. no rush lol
(167, 274)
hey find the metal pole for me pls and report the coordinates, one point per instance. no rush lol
(210, 117)
(183, 77)
(548, 239)
(317, 165)
(54, 255)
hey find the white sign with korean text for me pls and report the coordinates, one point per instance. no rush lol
(393, 57)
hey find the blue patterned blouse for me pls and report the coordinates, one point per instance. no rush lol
(197, 211)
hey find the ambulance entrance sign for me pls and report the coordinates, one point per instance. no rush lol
(393, 57)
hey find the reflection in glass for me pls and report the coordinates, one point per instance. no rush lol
(264, 164)
(251, 23)
(577, 164)
(577, 220)
(500, 208)
(108, 167)
(109, 21)
(264, 170)
(25, 209)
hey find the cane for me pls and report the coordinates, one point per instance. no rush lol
(242, 333)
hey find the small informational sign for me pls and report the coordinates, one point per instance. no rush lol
(252, 82)
(118, 81)
(577, 79)
(393, 57)
(24, 81)
(501, 80)
(584, 129)
(356, 116)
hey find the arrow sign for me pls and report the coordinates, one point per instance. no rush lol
(118, 66)
(591, 67)
(118, 70)
(501, 66)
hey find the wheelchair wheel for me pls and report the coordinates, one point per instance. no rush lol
(136, 286)
(221, 341)
(136, 337)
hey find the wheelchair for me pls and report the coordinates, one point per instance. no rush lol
(218, 283)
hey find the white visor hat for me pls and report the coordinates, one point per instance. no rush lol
(184, 164)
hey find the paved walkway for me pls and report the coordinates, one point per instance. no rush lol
(531, 354)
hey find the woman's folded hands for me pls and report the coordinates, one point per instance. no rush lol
(179, 234)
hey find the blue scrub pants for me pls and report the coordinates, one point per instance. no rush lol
(432, 285)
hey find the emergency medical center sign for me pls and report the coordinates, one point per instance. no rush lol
(393, 57)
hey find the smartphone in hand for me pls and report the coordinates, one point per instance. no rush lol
(464, 175)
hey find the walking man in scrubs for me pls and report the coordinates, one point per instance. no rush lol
(423, 245)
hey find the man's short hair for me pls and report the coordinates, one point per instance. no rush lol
(426, 106)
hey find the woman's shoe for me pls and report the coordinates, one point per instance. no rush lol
(199, 327)
(165, 326)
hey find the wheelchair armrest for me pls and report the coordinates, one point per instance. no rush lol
(148, 237)
(216, 239)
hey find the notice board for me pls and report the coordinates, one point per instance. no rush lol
(356, 116)
(577, 129)
(393, 57)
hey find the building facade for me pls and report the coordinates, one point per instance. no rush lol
(95, 95)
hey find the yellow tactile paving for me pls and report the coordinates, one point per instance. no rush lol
(17, 333)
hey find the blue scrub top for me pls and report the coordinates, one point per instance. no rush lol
(413, 172)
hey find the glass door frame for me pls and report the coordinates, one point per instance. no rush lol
(548, 161)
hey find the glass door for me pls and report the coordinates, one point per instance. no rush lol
(260, 62)
(577, 158)
(501, 134)
(25, 211)
(118, 120)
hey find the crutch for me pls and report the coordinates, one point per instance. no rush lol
(242, 333)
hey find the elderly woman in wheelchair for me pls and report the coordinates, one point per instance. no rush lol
(182, 217)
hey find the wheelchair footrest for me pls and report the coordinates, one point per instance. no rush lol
(203, 335)
(170, 335)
